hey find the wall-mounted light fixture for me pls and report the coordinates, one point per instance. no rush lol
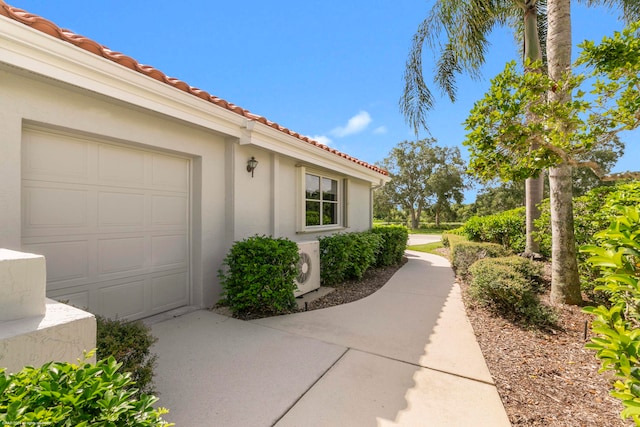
(252, 164)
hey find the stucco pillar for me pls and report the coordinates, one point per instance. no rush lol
(33, 329)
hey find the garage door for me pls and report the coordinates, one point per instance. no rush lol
(111, 220)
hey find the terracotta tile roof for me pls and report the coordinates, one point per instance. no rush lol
(48, 27)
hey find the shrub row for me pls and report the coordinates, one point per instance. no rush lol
(509, 287)
(345, 256)
(392, 245)
(504, 283)
(66, 394)
(504, 228)
(616, 263)
(259, 276)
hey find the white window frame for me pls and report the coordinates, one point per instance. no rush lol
(302, 226)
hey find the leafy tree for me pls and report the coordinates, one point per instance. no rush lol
(563, 128)
(423, 175)
(504, 197)
(447, 181)
(383, 206)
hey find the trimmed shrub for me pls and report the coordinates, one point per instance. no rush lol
(130, 344)
(346, 256)
(393, 244)
(464, 254)
(505, 228)
(259, 276)
(449, 240)
(498, 285)
(531, 271)
(66, 394)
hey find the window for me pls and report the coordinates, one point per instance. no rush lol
(322, 201)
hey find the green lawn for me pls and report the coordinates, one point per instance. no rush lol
(428, 247)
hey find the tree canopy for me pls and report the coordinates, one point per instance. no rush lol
(423, 175)
(582, 131)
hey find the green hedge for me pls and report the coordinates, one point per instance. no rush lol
(449, 239)
(505, 228)
(79, 395)
(130, 343)
(393, 244)
(508, 286)
(259, 276)
(464, 254)
(346, 256)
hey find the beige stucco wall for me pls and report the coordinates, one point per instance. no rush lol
(227, 203)
(29, 101)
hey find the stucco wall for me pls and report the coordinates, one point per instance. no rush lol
(227, 203)
(34, 101)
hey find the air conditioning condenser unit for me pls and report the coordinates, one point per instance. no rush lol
(308, 278)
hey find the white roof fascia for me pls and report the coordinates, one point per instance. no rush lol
(40, 53)
(272, 139)
(34, 51)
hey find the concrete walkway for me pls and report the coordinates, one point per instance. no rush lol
(404, 356)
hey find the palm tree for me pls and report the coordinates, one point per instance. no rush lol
(465, 25)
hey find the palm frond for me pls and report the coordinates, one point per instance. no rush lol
(456, 33)
(629, 9)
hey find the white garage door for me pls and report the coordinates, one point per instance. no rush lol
(112, 222)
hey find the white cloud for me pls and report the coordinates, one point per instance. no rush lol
(356, 124)
(322, 139)
(380, 130)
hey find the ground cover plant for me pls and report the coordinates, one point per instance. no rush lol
(78, 395)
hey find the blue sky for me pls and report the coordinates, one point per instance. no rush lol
(331, 70)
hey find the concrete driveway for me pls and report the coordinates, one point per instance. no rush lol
(404, 356)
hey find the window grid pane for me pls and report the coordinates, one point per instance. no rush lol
(312, 213)
(321, 200)
(312, 187)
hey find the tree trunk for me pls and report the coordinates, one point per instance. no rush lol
(414, 220)
(533, 186)
(565, 282)
(437, 219)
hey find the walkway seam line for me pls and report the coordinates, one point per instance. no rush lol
(417, 365)
(310, 387)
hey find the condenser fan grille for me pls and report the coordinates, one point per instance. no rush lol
(304, 268)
